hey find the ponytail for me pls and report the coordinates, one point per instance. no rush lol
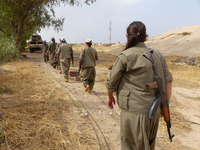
(136, 32)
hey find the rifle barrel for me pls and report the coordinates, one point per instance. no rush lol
(168, 129)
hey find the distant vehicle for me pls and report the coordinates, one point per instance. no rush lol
(35, 44)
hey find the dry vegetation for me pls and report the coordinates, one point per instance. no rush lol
(30, 113)
(179, 127)
(97, 47)
(184, 75)
(31, 106)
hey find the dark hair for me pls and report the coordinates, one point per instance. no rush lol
(136, 32)
(53, 39)
(89, 44)
(54, 44)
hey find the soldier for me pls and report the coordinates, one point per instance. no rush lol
(128, 77)
(52, 48)
(87, 62)
(58, 45)
(65, 53)
(44, 50)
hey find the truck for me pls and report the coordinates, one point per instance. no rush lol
(35, 43)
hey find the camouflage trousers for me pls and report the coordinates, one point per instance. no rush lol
(45, 57)
(65, 66)
(138, 132)
(88, 76)
(51, 56)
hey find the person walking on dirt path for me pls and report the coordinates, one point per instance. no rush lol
(44, 50)
(128, 77)
(51, 50)
(65, 53)
(58, 45)
(87, 62)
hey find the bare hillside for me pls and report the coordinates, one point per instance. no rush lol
(184, 41)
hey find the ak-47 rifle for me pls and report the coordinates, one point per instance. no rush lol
(161, 99)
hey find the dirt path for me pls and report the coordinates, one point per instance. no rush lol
(185, 102)
(108, 121)
(188, 104)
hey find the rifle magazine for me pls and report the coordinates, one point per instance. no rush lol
(154, 107)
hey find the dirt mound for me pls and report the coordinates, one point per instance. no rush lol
(116, 51)
(184, 41)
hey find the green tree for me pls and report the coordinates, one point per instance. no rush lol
(21, 18)
(8, 50)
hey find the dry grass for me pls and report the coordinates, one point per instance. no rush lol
(30, 114)
(179, 128)
(184, 75)
(105, 60)
(30, 110)
(97, 47)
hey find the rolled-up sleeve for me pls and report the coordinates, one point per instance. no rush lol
(59, 49)
(115, 75)
(167, 75)
(80, 60)
(71, 51)
(96, 56)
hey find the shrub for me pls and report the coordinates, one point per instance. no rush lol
(2, 136)
(6, 89)
(8, 49)
(186, 33)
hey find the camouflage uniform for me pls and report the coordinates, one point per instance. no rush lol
(57, 47)
(44, 49)
(128, 78)
(65, 53)
(52, 49)
(88, 59)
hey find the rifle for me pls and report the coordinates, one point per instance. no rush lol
(55, 63)
(161, 99)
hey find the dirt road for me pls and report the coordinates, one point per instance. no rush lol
(185, 104)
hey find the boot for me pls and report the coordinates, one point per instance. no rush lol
(66, 80)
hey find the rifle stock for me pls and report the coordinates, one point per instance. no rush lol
(165, 111)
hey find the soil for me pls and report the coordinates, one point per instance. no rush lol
(185, 104)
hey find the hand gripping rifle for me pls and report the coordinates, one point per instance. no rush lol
(161, 99)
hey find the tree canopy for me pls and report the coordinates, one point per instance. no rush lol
(21, 18)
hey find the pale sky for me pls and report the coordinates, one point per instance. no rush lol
(159, 16)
